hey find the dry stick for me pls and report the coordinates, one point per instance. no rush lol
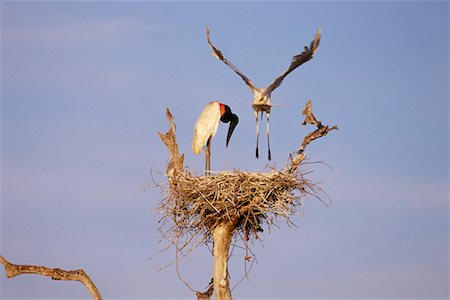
(13, 270)
(318, 133)
(178, 271)
(246, 258)
(169, 139)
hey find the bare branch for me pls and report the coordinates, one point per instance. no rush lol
(170, 140)
(13, 270)
(321, 131)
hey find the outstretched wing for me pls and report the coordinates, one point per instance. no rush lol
(297, 61)
(219, 55)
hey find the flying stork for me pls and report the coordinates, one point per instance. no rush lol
(261, 96)
(206, 127)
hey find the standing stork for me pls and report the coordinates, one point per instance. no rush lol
(206, 127)
(261, 96)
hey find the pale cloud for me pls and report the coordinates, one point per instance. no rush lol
(73, 57)
(410, 190)
(404, 280)
(64, 30)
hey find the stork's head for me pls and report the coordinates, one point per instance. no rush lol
(228, 116)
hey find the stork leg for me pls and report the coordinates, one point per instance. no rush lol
(257, 133)
(208, 157)
(268, 134)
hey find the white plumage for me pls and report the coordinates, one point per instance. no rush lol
(206, 126)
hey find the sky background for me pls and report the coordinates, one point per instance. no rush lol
(84, 89)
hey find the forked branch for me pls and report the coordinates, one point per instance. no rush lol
(13, 270)
(321, 131)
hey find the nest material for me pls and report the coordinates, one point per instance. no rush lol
(246, 200)
(195, 205)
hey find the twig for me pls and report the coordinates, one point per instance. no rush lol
(13, 270)
(178, 271)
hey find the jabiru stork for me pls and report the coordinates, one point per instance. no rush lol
(206, 127)
(261, 96)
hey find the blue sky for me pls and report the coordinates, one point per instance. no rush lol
(84, 90)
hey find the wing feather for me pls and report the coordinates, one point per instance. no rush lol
(216, 53)
(206, 126)
(297, 61)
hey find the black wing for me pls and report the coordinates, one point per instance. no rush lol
(219, 55)
(297, 61)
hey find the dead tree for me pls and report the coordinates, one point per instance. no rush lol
(227, 205)
(217, 208)
(13, 270)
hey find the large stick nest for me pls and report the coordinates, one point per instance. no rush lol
(195, 205)
(247, 200)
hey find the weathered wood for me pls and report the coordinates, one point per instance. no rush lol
(170, 140)
(321, 131)
(205, 295)
(13, 270)
(222, 235)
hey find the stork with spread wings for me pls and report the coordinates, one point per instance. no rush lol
(261, 96)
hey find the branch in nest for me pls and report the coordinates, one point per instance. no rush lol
(170, 140)
(318, 133)
(321, 131)
(13, 270)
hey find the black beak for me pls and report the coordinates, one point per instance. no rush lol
(234, 120)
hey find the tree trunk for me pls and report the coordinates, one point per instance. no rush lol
(222, 238)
